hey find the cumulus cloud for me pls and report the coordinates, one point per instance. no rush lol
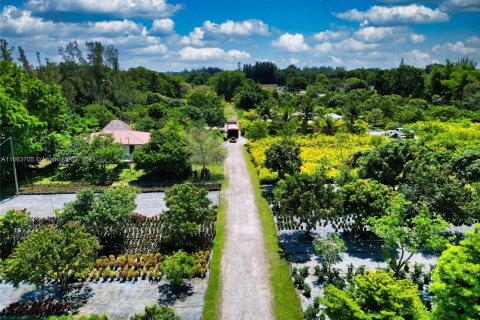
(336, 60)
(460, 5)
(211, 54)
(328, 35)
(293, 61)
(388, 34)
(291, 43)
(410, 14)
(417, 57)
(194, 38)
(458, 47)
(324, 47)
(162, 26)
(474, 41)
(20, 23)
(355, 45)
(117, 8)
(152, 49)
(241, 28)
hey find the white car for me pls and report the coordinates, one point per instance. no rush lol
(399, 133)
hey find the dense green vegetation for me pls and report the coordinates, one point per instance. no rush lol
(308, 137)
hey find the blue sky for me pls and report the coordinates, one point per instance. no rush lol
(171, 35)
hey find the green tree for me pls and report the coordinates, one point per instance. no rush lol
(50, 253)
(326, 125)
(100, 113)
(178, 267)
(283, 157)
(427, 181)
(256, 130)
(386, 162)
(156, 313)
(308, 198)
(364, 198)
(376, 295)
(205, 106)
(188, 208)
(330, 249)
(306, 108)
(167, 154)
(12, 224)
(296, 84)
(226, 83)
(405, 236)
(456, 280)
(250, 96)
(102, 214)
(93, 160)
(205, 147)
(466, 165)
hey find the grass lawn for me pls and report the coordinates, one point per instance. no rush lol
(286, 303)
(213, 296)
(127, 175)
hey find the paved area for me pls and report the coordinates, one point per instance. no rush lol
(120, 300)
(149, 204)
(246, 292)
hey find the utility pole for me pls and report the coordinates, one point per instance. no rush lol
(13, 163)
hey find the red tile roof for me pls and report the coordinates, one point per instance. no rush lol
(126, 137)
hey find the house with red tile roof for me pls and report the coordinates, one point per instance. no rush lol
(123, 134)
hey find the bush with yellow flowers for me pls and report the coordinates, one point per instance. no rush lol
(316, 151)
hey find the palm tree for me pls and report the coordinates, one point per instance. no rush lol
(326, 125)
(306, 108)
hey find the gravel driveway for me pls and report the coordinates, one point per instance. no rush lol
(246, 292)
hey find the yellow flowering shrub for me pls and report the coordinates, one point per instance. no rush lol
(316, 151)
(451, 136)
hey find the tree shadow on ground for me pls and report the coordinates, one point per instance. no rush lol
(72, 300)
(170, 293)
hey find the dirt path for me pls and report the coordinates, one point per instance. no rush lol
(246, 292)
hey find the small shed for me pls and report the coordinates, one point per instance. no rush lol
(123, 134)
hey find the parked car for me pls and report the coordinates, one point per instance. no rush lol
(400, 133)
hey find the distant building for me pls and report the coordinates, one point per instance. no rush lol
(123, 134)
(335, 116)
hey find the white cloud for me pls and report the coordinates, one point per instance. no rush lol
(195, 37)
(153, 49)
(21, 23)
(417, 57)
(162, 26)
(336, 60)
(458, 47)
(211, 54)
(116, 27)
(241, 28)
(328, 35)
(291, 43)
(324, 47)
(410, 14)
(293, 61)
(474, 41)
(118, 8)
(354, 45)
(417, 38)
(388, 34)
(460, 5)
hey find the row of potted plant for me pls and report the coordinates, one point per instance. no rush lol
(77, 186)
(131, 267)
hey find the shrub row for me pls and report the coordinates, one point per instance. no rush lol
(77, 186)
